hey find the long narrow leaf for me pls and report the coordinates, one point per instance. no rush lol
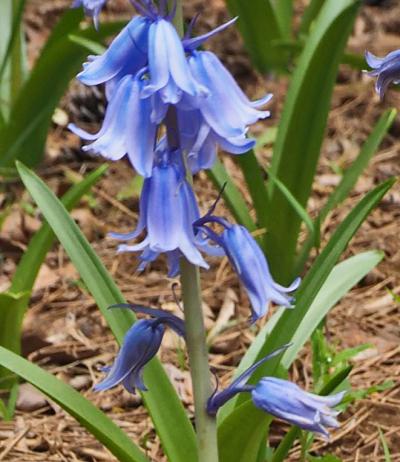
(300, 210)
(29, 265)
(349, 179)
(260, 28)
(386, 450)
(255, 181)
(352, 174)
(302, 127)
(231, 194)
(167, 412)
(95, 421)
(12, 53)
(12, 307)
(309, 15)
(14, 302)
(342, 278)
(58, 63)
(284, 15)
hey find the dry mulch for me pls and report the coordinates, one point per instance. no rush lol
(65, 333)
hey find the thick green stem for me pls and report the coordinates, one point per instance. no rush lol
(206, 427)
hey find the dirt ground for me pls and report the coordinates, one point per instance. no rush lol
(65, 333)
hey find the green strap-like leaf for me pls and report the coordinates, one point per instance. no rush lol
(24, 137)
(342, 278)
(352, 174)
(95, 421)
(14, 302)
(173, 426)
(13, 60)
(232, 195)
(312, 11)
(12, 309)
(301, 211)
(302, 127)
(32, 259)
(255, 181)
(284, 15)
(260, 27)
(349, 179)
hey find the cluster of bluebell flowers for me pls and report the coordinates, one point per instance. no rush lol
(147, 70)
(170, 106)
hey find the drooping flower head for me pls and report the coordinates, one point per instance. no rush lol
(201, 142)
(126, 55)
(168, 209)
(147, 68)
(227, 109)
(141, 343)
(219, 398)
(289, 402)
(92, 8)
(148, 42)
(386, 69)
(127, 128)
(282, 399)
(250, 264)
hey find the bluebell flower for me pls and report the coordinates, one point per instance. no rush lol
(282, 399)
(250, 264)
(169, 72)
(127, 128)
(201, 142)
(126, 55)
(151, 42)
(289, 402)
(141, 344)
(387, 69)
(168, 209)
(219, 398)
(168, 319)
(92, 8)
(227, 110)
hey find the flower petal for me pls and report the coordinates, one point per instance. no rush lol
(128, 47)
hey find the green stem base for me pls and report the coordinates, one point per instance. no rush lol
(206, 428)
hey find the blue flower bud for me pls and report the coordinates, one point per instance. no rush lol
(227, 110)
(201, 142)
(251, 266)
(287, 401)
(141, 343)
(124, 132)
(282, 399)
(92, 8)
(168, 209)
(387, 69)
